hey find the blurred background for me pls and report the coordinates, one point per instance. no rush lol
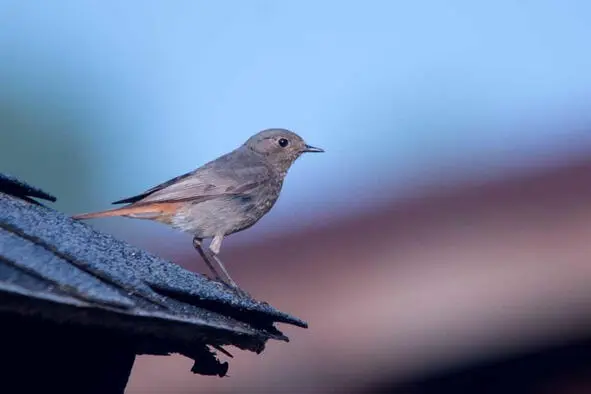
(442, 242)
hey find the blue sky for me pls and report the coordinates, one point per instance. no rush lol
(395, 91)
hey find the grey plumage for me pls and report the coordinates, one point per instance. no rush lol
(224, 196)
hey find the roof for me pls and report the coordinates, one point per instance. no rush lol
(63, 269)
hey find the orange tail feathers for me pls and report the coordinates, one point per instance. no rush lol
(148, 211)
(104, 214)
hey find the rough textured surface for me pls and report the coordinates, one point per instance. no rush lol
(60, 270)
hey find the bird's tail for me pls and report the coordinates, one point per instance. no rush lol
(104, 214)
(158, 211)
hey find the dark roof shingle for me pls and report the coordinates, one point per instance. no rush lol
(63, 269)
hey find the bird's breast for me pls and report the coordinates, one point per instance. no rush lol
(228, 214)
(260, 200)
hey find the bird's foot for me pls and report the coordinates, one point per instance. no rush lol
(229, 285)
(232, 286)
(237, 289)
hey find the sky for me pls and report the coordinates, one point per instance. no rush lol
(396, 92)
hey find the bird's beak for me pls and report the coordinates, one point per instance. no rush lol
(310, 148)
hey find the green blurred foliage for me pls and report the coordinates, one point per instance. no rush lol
(47, 147)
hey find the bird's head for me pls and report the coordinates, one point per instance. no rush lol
(281, 147)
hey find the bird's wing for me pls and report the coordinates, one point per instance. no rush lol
(161, 186)
(205, 183)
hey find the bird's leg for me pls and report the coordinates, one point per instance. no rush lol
(216, 244)
(208, 257)
(214, 248)
(198, 245)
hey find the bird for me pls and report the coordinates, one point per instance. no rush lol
(222, 197)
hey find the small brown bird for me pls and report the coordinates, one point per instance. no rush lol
(224, 196)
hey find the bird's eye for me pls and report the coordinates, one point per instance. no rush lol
(283, 142)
